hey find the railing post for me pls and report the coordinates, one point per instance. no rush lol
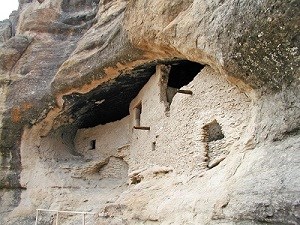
(68, 212)
(83, 219)
(56, 218)
(36, 217)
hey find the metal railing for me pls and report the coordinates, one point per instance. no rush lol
(65, 212)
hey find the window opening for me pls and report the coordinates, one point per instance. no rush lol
(137, 115)
(92, 145)
(153, 145)
(137, 118)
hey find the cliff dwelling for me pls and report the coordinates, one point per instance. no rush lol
(124, 112)
(108, 146)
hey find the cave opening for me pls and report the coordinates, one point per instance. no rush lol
(110, 101)
(181, 74)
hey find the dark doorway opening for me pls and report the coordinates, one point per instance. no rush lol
(213, 132)
(212, 136)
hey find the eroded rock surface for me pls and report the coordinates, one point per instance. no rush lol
(94, 118)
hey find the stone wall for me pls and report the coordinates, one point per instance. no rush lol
(108, 143)
(109, 138)
(178, 134)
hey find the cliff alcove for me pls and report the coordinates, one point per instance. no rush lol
(110, 101)
(134, 110)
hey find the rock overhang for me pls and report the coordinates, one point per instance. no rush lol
(110, 100)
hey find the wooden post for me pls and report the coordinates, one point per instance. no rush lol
(141, 128)
(188, 92)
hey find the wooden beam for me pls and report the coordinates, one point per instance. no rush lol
(188, 92)
(141, 128)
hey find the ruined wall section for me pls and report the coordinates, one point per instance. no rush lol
(178, 140)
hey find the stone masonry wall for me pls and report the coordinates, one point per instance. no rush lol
(111, 144)
(109, 138)
(177, 140)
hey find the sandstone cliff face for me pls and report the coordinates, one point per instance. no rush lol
(73, 73)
